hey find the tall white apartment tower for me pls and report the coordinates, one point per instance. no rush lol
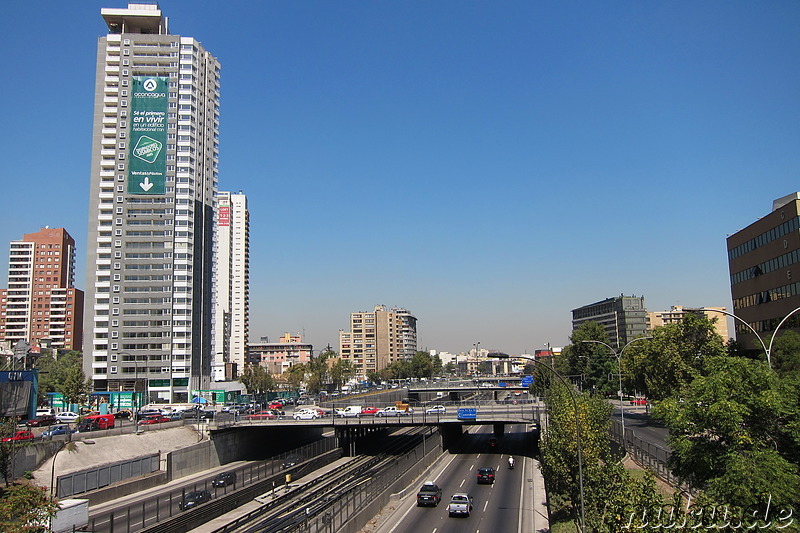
(231, 285)
(148, 317)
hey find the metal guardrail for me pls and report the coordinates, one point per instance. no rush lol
(95, 478)
(648, 455)
(150, 515)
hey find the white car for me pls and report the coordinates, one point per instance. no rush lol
(394, 411)
(436, 409)
(305, 414)
(67, 417)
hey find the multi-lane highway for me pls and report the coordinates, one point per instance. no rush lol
(505, 505)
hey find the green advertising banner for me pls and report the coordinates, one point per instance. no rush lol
(147, 165)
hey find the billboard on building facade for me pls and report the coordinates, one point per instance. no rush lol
(224, 210)
(147, 162)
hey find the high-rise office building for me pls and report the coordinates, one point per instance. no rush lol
(623, 317)
(151, 208)
(378, 338)
(231, 285)
(41, 305)
(761, 259)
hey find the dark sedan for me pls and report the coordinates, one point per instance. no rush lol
(42, 420)
(193, 499)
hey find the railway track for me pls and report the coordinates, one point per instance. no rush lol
(285, 513)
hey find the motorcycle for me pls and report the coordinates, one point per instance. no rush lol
(511, 463)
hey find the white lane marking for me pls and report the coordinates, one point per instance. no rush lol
(471, 467)
(462, 483)
(485, 505)
(402, 518)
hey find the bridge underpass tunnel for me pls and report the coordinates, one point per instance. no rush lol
(352, 438)
(499, 429)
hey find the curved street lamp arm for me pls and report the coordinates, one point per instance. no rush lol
(774, 333)
(764, 346)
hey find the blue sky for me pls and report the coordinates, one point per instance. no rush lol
(489, 166)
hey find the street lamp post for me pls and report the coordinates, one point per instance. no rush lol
(618, 357)
(767, 350)
(569, 387)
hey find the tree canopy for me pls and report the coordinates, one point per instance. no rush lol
(63, 373)
(257, 380)
(735, 432)
(672, 358)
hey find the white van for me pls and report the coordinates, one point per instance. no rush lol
(351, 411)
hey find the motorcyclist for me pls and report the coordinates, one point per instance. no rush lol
(511, 462)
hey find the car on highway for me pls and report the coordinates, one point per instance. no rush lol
(305, 414)
(351, 411)
(21, 435)
(193, 499)
(460, 504)
(639, 401)
(492, 442)
(223, 479)
(392, 410)
(262, 415)
(276, 405)
(67, 417)
(124, 413)
(291, 460)
(153, 419)
(42, 420)
(429, 494)
(58, 429)
(486, 475)
(369, 410)
(436, 409)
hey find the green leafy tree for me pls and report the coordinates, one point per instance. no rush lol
(436, 361)
(25, 509)
(422, 365)
(318, 371)
(786, 353)
(257, 380)
(672, 358)
(295, 376)
(735, 432)
(56, 372)
(374, 377)
(340, 372)
(609, 491)
(7, 428)
(449, 368)
(75, 387)
(399, 370)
